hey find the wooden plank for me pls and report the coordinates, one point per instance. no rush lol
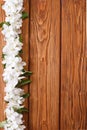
(74, 66)
(44, 62)
(25, 55)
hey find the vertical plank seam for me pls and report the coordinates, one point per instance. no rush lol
(29, 11)
(60, 65)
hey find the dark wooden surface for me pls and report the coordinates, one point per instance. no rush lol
(25, 55)
(73, 66)
(55, 50)
(44, 62)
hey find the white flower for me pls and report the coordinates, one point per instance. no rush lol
(14, 64)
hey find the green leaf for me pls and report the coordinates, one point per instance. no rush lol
(4, 66)
(20, 110)
(24, 15)
(23, 82)
(20, 38)
(23, 70)
(21, 51)
(27, 73)
(3, 55)
(2, 124)
(2, 23)
(26, 95)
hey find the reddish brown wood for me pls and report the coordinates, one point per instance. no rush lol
(25, 55)
(44, 62)
(55, 49)
(74, 66)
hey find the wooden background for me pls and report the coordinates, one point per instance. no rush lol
(55, 50)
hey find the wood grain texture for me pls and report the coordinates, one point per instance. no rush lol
(73, 66)
(55, 49)
(44, 62)
(25, 55)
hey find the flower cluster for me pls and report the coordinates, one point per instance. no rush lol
(14, 74)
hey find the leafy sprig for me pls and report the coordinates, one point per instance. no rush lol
(2, 23)
(21, 110)
(24, 15)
